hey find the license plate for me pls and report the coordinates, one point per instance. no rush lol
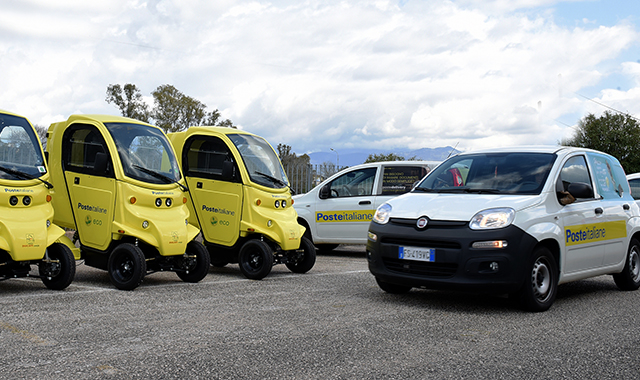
(416, 253)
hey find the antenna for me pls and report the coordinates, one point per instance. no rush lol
(454, 148)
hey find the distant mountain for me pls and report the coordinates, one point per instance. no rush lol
(351, 157)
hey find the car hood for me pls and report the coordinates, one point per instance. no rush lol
(455, 207)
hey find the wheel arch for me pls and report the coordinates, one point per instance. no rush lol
(553, 246)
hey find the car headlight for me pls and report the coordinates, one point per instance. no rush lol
(382, 214)
(492, 218)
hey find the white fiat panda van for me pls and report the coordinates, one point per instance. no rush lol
(515, 221)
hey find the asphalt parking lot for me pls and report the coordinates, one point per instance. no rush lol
(331, 323)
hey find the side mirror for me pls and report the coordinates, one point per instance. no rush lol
(100, 165)
(325, 192)
(227, 171)
(580, 190)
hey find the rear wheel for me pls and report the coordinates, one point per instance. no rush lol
(255, 259)
(629, 278)
(541, 283)
(392, 288)
(195, 263)
(58, 267)
(304, 258)
(127, 266)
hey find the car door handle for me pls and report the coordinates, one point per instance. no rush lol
(599, 211)
(364, 202)
(626, 207)
(76, 181)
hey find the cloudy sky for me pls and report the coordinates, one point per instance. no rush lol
(321, 74)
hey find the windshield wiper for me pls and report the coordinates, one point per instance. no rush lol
(278, 181)
(160, 176)
(480, 191)
(25, 176)
(423, 190)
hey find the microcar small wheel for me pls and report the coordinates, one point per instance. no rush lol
(198, 267)
(629, 278)
(127, 266)
(255, 259)
(304, 258)
(392, 288)
(60, 271)
(541, 282)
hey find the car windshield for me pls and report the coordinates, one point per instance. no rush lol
(145, 153)
(261, 161)
(20, 153)
(490, 173)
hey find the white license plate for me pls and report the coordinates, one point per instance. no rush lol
(418, 254)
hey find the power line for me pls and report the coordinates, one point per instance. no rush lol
(606, 106)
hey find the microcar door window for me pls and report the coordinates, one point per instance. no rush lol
(354, 183)
(204, 157)
(19, 148)
(82, 147)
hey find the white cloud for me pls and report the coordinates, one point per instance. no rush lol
(319, 74)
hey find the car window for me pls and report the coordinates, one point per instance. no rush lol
(609, 176)
(354, 183)
(204, 157)
(81, 145)
(575, 170)
(398, 180)
(635, 188)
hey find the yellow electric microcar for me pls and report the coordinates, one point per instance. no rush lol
(121, 189)
(27, 234)
(240, 198)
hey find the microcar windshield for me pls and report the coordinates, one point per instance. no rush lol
(20, 152)
(145, 153)
(261, 161)
(490, 173)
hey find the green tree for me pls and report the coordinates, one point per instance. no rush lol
(129, 100)
(386, 157)
(613, 133)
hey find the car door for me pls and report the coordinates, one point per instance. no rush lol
(582, 220)
(616, 203)
(344, 214)
(90, 179)
(217, 200)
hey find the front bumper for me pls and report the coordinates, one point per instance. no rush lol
(457, 266)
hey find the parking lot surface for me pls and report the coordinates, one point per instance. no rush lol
(331, 323)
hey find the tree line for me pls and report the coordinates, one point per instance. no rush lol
(172, 110)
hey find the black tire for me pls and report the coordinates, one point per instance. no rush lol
(541, 281)
(216, 259)
(629, 278)
(326, 247)
(197, 268)
(304, 258)
(127, 266)
(392, 288)
(59, 274)
(255, 259)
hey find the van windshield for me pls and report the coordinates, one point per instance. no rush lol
(490, 173)
(261, 161)
(20, 151)
(145, 153)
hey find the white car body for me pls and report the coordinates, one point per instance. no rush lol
(355, 193)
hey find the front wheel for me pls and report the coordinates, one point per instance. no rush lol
(304, 258)
(255, 259)
(58, 267)
(127, 266)
(195, 262)
(541, 283)
(629, 278)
